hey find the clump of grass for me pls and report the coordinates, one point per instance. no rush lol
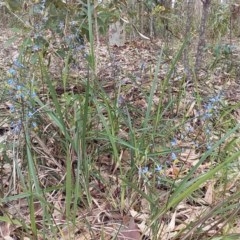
(84, 162)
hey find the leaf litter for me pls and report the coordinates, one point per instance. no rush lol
(131, 69)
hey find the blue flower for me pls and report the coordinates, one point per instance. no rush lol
(11, 82)
(19, 88)
(12, 72)
(36, 35)
(33, 94)
(216, 99)
(30, 114)
(158, 168)
(209, 146)
(73, 23)
(18, 64)
(143, 170)
(142, 67)
(34, 126)
(173, 156)
(207, 131)
(70, 37)
(16, 127)
(12, 108)
(121, 100)
(189, 128)
(36, 48)
(207, 115)
(209, 107)
(173, 142)
(61, 25)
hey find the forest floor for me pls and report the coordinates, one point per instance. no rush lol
(129, 72)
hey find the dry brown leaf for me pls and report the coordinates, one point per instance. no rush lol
(233, 183)
(130, 232)
(141, 103)
(209, 195)
(189, 155)
(139, 216)
(125, 155)
(144, 229)
(175, 171)
(5, 230)
(123, 134)
(8, 238)
(190, 110)
(171, 225)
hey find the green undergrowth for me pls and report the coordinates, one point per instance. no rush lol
(83, 161)
(86, 148)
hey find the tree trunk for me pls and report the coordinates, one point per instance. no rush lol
(189, 21)
(202, 35)
(117, 33)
